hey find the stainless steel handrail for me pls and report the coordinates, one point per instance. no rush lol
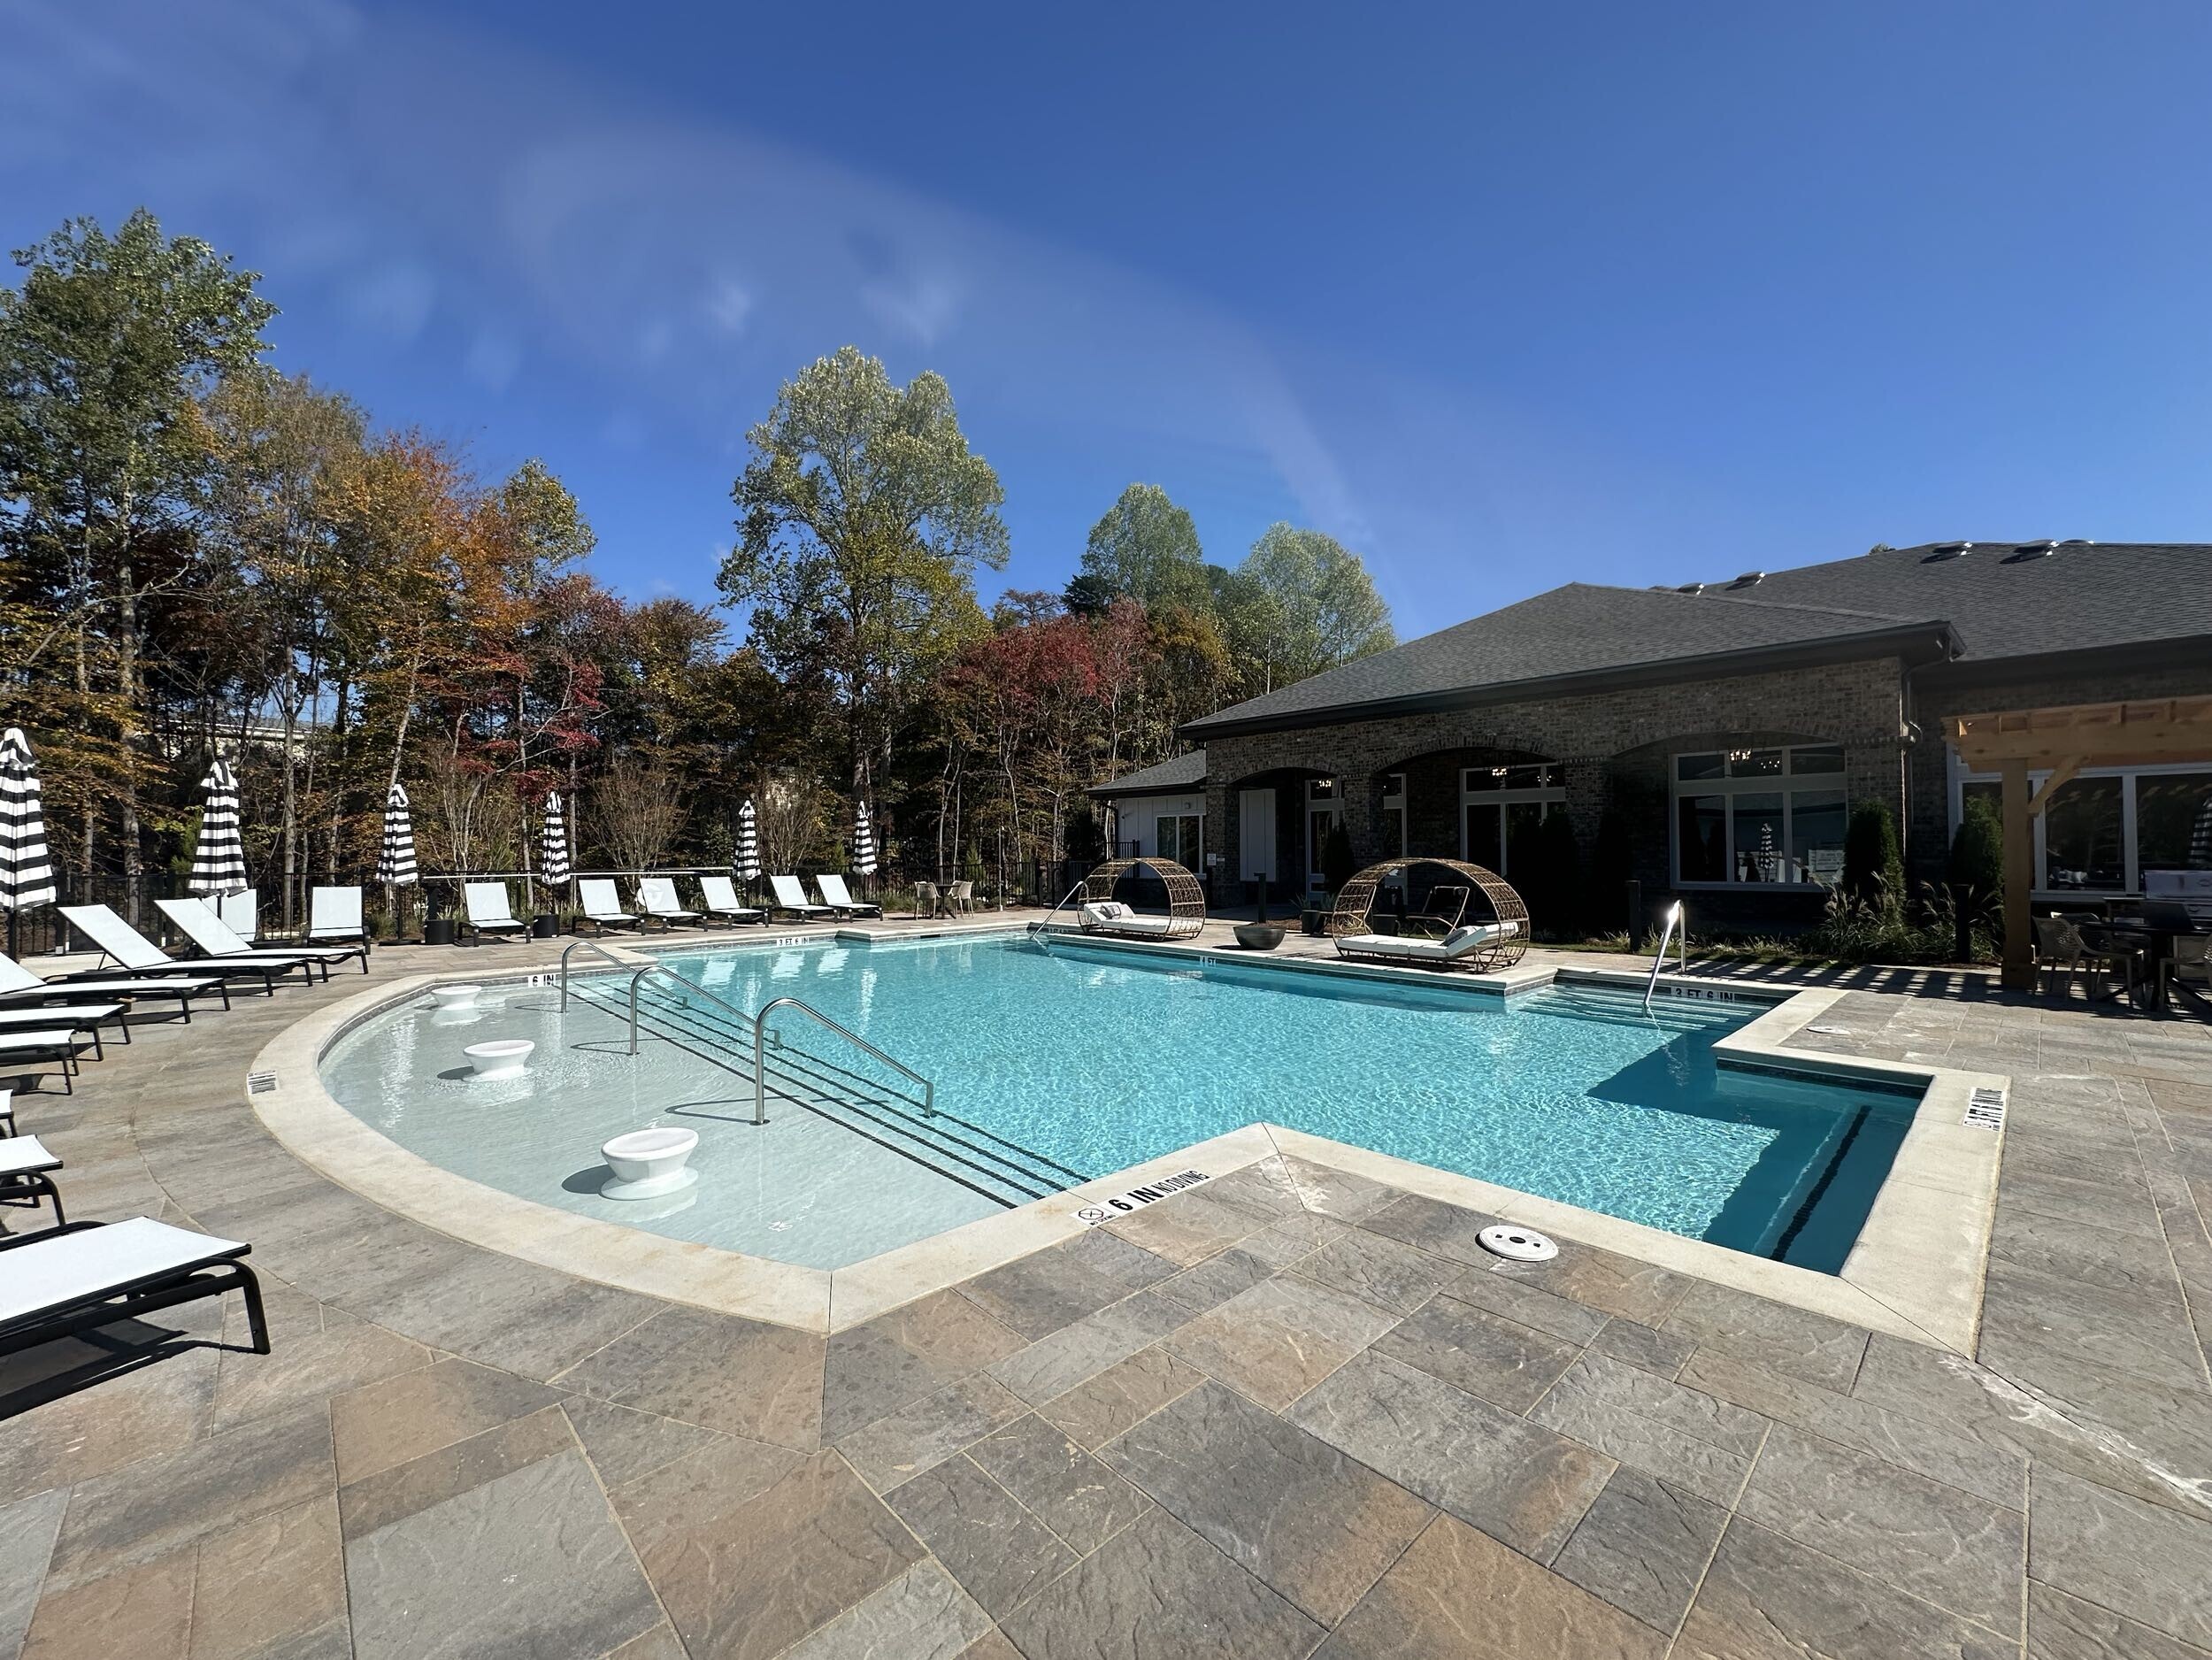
(692, 988)
(760, 1056)
(1682, 946)
(1045, 921)
(575, 945)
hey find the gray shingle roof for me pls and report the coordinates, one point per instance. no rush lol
(1991, 604)
(1177, 772)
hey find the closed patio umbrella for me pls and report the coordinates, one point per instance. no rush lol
(2200, 838)
(395, 857)
(219, 858)
(863, 844)
(27, 873)
(553, 844)
(745, 857)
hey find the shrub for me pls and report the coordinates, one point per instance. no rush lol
(1978, 854)
(1873, 864)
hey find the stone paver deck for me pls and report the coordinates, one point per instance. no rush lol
(1290, 1412)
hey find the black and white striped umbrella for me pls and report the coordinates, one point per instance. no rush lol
(863, 844)
(219, 858)
(745, 860)
(395, 859)
(2201, 839)
(553, 843)
(26, 872)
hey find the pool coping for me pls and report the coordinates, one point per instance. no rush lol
(1917, 1271)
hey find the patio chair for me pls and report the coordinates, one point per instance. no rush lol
(489, 910)
(791, 897)
(1445, 906)
(603, 906)
(333, 914)
(2190, 964)
(961, 898)
(1464, 944)
(215, 937)
(839, 899)
(117, 939)
(657, 898)
(84, 1275)
(24, 1180)
(925, 900)
(86, 1018)
(20, 989)
(7, 1112)
(719, 896)
(241, 913)
(2110, 951)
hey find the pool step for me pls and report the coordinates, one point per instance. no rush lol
(1000, 1169)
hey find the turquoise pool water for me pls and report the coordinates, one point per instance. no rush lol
(1089, 1059)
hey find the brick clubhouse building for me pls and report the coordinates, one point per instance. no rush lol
(1727, 726)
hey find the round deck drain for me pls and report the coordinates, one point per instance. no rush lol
(1523, 1245)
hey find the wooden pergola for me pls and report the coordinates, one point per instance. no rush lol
(2065, 741)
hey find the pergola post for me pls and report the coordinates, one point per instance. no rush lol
(2018, 971)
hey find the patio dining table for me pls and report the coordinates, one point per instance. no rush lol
(2154, 939)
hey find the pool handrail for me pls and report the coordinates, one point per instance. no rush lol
(1044, 923)
(760, 1052)
(1679, 933)
(573, 947)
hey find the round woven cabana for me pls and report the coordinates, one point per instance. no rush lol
(1185, 899)
(1486, 890)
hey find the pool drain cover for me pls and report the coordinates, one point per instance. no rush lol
(1523, 1245)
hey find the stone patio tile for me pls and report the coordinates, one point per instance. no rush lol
(1376, 1269)
(150, 1508)
(1057, 1481)
(1795, 1342)
(403, 1418)
(393, 1495)
(1285, 1506)
(1265, 1188)
(739, 1376)
(274, 1585)
(309, 1367)
(1337, 1193)
(1283, 1242)
(624, 1443)
(2146, 1333)
(1514, 1479)
(1278, 1340)
(1768, 1598)
(896, 1358)
(1187, 1228)
(1458, 1595)
(899, 1448)
(1095, 1411)
(1527, 1305)
(160, 1408)
(1442, 1230)
(1048, 1289)
(473, 1575)
(2063, 1627)
(922, 1615)
(748, 1558)
(993, 1645)
(2077, 1252)
(660, 1643)
(1479, 1352)
(1991, 1469)
(1614, 1284)
(2099, 1204)
(506, 1312)
(140, 1608)
(28, 1528)
(1643, 1547)
(1646, 1346)
(1943, 1545)
(2152, 1564)
(1000, 1553)
(1214, 1281)
(1157, 1589)
(1054, 1365)
(1685, 1436)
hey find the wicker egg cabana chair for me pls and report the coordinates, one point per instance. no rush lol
(1101, 913)
(1480, 944)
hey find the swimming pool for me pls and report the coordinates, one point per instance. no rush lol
(1050, 1065)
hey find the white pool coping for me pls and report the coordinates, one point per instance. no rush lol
(1916, 1272)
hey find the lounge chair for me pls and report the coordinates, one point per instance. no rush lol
(489, 910)
(78, 1277)
(333, 914)
(657, 898)
(86, 1018)
(720, 896)
(603, 906)
(1462, 943)
(20, 989)
(23, 1165)
(241, 913)
(839, 899)
(1445, 906)
(210, 934)
(22, 1053)
(791, 897)
(1110, 916)
(7, 1112)
(117, 939)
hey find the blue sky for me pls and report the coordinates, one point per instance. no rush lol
(1501, 296)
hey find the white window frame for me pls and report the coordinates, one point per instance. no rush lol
(1546, 795)
(1786, 784)
(1960, 778)
(1393, 800)
(1159, 841)
(1332, 802)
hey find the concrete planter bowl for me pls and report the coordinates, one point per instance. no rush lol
(501, 1057)
(648, 1163)
(1259, 936)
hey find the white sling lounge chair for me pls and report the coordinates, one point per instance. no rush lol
(20, 989)
(241, 913)
(116, 938)
(839, 898)
(213, 936)
(1460, 943)
(1110, 916)
(64, 1280)
(39, 1049)
(791, 897)
(23, 1165)
(333, 914)
(490, 912)
(721, 901)
(603, 906)
(657, 898)
(69, 1016)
